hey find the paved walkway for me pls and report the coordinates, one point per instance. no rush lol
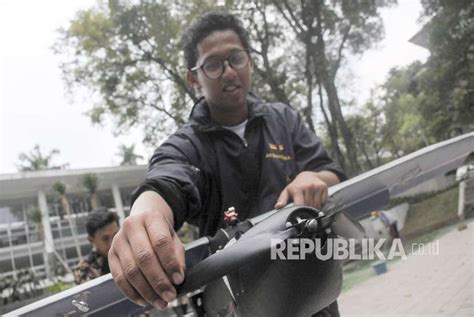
(421, 285)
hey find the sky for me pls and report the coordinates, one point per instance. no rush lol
(35, 109)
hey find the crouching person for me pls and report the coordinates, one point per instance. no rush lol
(101, 229)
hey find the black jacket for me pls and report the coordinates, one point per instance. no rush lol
(203, 169)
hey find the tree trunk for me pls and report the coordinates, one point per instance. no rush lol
(94, 201)
(332, 129)
(72, 225)
(308, 112)
(336, 113)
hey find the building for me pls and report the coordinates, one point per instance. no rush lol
(35, 231)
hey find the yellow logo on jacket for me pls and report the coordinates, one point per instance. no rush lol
(276, 152)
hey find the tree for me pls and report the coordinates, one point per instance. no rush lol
(60, 189)
(35, 160)
(128, 54)
(425, 103)
(405, 125)
(369, 135)
(35, 216)
(391, 125)
(448, 75)
(91, 183)
(328, 30)
(127, 153)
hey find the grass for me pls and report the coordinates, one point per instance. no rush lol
(427, 220)
(431, 213)
(59, 287)
(354, 277)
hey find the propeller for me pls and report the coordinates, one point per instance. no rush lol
(252, 245)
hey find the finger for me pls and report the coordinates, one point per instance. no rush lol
(181, 259)
(310, 197)
(298, 197)
(324, 197)
(121, 281)
(170, 252)
(149, 264)
(282, 199)
(130, 267)
(137, 280)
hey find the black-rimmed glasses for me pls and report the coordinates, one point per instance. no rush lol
(213, 68)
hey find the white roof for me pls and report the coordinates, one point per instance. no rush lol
(27, 184)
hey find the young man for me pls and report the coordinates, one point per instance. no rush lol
(235, 151)
(101, 228)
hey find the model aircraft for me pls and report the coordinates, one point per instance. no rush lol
(232, 274)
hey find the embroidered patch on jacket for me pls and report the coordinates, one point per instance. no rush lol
(276, 152)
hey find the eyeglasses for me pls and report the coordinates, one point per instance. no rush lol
(214, 67)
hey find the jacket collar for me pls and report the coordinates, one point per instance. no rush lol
(200, 115)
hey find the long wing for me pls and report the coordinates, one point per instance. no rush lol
(372, 190)
(357, 196)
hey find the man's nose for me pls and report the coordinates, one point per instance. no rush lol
(228, 71)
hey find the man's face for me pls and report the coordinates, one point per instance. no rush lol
(102, 238)
(228, 93)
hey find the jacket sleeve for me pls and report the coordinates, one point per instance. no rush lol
(172, 175)
(310, 154)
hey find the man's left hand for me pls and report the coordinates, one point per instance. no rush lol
(309, 189)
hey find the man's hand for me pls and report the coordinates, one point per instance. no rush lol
(146, 257)
(308, 188)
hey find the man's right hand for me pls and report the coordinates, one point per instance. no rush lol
(146, 257)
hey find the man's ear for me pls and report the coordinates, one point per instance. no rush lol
(192, 79)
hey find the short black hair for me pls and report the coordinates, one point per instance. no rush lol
(96, 220)
(204, 25)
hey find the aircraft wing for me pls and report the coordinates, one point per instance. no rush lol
(357, 197)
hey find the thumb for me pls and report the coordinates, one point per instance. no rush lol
(282, 200)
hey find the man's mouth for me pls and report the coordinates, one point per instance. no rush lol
(231, 88)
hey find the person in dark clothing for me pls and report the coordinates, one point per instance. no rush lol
(235, 151)
(101, 228)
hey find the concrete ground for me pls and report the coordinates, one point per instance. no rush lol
(421, 285)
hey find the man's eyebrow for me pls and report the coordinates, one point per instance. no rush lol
(220, 57)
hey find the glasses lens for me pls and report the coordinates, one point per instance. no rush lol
(212, 68)
(239, 60)
(215, 67)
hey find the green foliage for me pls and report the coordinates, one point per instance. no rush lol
(433, 212)
(421, 104)
(127, 153)
(58, 287)
(35, 216)
(369, 135)
(90, 182)
(127, 54)
(60, 188)
(390, 125)
(405, 126)
(447, 79)
(35, 160)
(312, 38)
